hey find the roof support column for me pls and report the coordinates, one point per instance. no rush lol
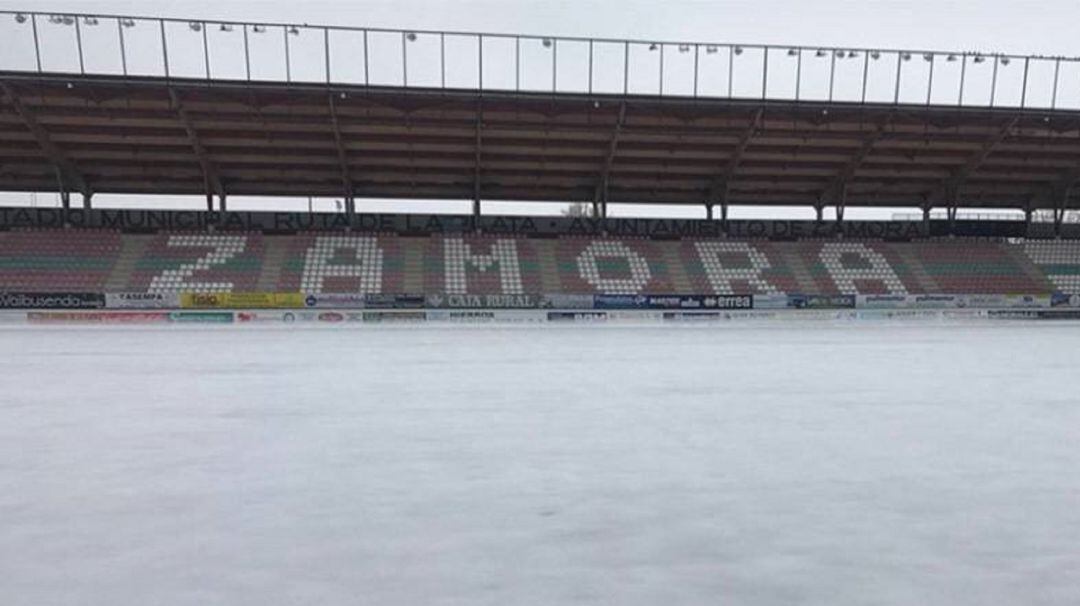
(348, 189)
(841, 203)
(68, 174)
(476, 171)
(1061, 202)
(600, 192)
(209, 170)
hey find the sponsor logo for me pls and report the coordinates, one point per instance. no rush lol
(19, 300)
(577, 316)
(336, 300)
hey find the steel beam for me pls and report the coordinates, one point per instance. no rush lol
(71, 178)
(479, 148)
(601, 194)
(838, 184)
(951, 186)
(718, 189)
(343, 158)
(210, 173)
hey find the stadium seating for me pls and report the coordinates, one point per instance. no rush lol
(57, 260)
(99, 260)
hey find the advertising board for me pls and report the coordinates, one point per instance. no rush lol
(241, 300)
(51, 300)
(646, 301)
(142, 300)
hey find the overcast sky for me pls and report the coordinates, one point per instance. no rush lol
(1046, 27)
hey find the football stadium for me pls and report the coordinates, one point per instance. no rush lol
(321, 313)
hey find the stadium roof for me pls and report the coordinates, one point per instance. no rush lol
(164, 134)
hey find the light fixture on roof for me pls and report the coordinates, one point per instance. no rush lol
(258, 29)
(840, 54)
(20, 18)
(852, 54)
(195, 26)
(90, 20)
(821, 52)
(905, 56)
(979, 59)
(710, 50)
(67, 20)
(1005, 60)
(684, 48)
(653, 46)
(792, 52)
(293, 30)
(928, 56)
(875, 55)
(410, 36)
(127, 22)
(738, 50)
(951, 58)
(547, 42)
(225, 27)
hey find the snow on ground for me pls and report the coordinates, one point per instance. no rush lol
(870, 464)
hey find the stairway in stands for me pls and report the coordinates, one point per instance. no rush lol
(132, 248)
(275, 250)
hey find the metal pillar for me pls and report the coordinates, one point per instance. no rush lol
(708, 211)
(86, 200)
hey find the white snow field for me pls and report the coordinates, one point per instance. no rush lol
(828, 464)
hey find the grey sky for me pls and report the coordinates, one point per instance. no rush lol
(1019, 27)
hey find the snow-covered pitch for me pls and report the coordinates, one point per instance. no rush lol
(794, 464)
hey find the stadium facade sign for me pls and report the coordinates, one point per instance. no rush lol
(154, 220)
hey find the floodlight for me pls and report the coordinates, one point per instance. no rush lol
(684, 48)
(293, 30)
(127, 22)
(710, 50)
(792, 52)
(875, 55)
(653, 46)
(67, 20)
(979, 59)
(225, 27)
(547, 42)
(195, 26)
(90, 20)
(821, 53)
(410, 36)
(20, 18)
(1005, 60)
(840, 54)
(928, 56)
(905, 56)
(258, 29)
(852, 54)
(738, 50)
(951, 58)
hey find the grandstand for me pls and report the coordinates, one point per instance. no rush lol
(246, 262)
(165, 130)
